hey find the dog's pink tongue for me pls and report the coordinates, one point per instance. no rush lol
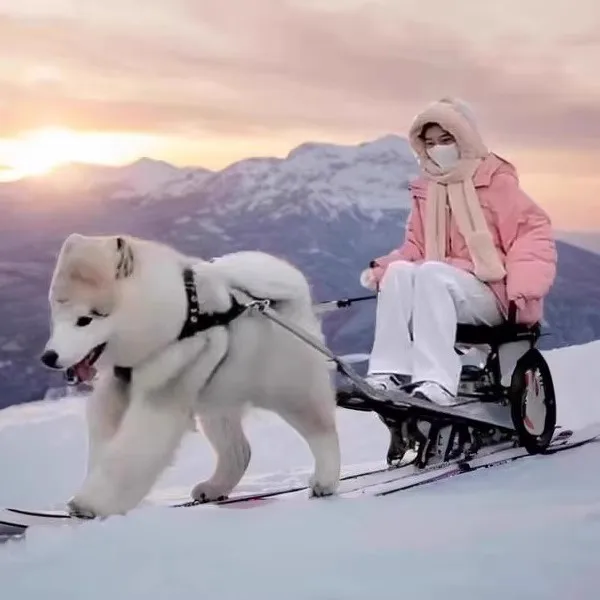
(85, 371)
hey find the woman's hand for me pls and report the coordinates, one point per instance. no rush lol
(369, 278)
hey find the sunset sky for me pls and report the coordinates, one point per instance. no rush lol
(207, 82)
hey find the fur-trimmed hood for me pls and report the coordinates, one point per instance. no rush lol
(456, 117)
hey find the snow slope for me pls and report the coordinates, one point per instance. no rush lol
(528, 530)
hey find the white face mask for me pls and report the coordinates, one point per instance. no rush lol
(444, 155)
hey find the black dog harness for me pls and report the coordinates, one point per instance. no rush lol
(195, 321)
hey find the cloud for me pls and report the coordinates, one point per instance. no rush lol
(241, 68)
(587, 40)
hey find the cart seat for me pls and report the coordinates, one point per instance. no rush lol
(496, 335)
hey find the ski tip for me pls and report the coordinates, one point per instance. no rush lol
(9, 531)
(48, 514)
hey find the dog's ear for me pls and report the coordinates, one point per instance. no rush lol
(85, 271)
(89, 262)
(125, 261)
(89, 273)
(93, 280)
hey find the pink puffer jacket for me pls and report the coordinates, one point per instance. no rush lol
(521, 230)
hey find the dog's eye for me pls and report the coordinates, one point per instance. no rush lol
(96, 313)
(83, 321)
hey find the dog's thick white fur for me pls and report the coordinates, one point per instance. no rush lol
(133, 291)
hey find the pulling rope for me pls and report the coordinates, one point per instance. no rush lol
(264, 307)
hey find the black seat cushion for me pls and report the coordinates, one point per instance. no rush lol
(496, 335)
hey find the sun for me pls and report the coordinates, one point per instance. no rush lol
(40, 151)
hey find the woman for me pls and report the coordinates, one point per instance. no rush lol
(474, 242)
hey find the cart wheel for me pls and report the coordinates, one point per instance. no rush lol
(533, 402)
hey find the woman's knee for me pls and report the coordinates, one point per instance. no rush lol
(433, 270)
(434, 275)
(399, 270)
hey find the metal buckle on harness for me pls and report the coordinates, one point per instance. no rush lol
(259, 305)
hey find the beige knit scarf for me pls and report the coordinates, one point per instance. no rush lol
(456, 190)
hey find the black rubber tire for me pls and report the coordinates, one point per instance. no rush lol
(532, 360)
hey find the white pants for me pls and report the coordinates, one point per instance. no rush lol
(427, 301)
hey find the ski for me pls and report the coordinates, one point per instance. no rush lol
(14, 522)
(389, 481)
(377, 482)
(285, 490)
(566, 441)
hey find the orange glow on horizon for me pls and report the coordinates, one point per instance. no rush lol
(563, 182)
(40, 151)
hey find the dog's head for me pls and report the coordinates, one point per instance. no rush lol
(83, 298)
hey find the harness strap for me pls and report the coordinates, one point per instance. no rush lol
(122, 373)
(196, 321)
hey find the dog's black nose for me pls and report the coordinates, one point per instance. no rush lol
(50, 359)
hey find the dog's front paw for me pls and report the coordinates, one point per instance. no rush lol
(97, 498)
(80, 509)
(319, 489)
(207, 492)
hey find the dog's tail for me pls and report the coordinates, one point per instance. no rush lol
(265, 276)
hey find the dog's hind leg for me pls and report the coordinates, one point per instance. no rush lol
(225, 433)
(317, 425)
(104, 412)
(143, 446)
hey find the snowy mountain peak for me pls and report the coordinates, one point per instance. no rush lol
(320, 177)
(379, 146)
(150, 177)
(368, 176)
(148, 167)
(588, 240)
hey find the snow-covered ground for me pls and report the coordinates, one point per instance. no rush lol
(528, 530)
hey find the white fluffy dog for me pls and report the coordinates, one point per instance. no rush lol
(169, 338)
